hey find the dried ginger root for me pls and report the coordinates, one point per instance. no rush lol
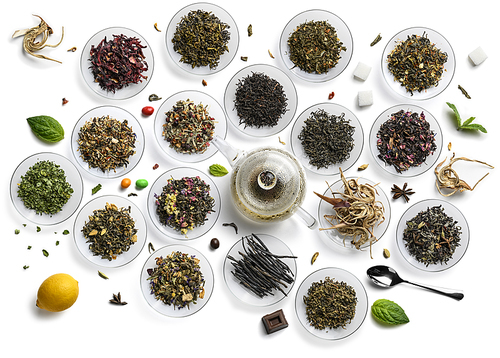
(31, 45)
(447, 178)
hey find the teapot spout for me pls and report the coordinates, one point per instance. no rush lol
(232, 155)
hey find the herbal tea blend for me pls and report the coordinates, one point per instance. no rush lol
(189, 127)
(201, 39)
(184, 203)
(106, 143)
(432, 237)
(177, 280)
(110, 231)
(117, 63)
(314, 47)
(330, 304)
(327, 139)
(259, 270)
(356, 212)
(260, 101)
(44, 188)
(417, 63)
(405, 140)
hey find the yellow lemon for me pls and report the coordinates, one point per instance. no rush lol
(57, 293)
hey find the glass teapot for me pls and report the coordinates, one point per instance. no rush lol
(268, 184)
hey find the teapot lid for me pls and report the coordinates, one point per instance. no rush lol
(269, 181)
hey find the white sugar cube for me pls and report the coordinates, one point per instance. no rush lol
(362, 71)
(365, 98)
(478, 56)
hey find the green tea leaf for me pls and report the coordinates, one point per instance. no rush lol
(96, 188)
(218, 170)
(457, 115)
(474, 126)
(389, 312)
(468, 123)
(46, 128)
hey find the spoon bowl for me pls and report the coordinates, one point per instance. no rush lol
(385, 276)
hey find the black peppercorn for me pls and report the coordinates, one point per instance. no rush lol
(214, 243)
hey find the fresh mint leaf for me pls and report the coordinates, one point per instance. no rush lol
(468, 123)
(218, 170)
(389, 312)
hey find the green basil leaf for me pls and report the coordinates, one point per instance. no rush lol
(218, 170)
(46, 128)
(389, 312)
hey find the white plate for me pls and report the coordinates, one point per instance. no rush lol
(440, 43)
(276, 246)
(73, 177)
(288, 89)
(232, 44)
(98, 204)
(331, 109)
(157, 188)
(214, 110)
(340, 275)
(449, 210)
(120, 115)
(434, 126)
(126, 92)
(172, 311)
(343, 33)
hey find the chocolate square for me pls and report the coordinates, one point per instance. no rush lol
(275, 321)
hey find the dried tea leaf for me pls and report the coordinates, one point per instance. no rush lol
(363, 167)
(315, 256)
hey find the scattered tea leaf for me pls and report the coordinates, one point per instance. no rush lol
(387, 253)
(232, 225)
(102, 275)
(464, 92)
(389, 312)
(17, 231)
(65, 232)
(151, 248)
(244, 58)
(250, 30)
(45, 253)
(25, 267)
(38, 229)
(270, 54)
(377, 39)
(449, 146)
(57, 243)
(156, 27)
(315, 256)
(204, 83)
(96, 188)
(279, 139)
(363, 167)
(29, 247)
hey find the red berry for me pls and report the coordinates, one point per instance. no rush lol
(148, 110)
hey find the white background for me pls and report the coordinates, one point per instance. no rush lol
(225, 326)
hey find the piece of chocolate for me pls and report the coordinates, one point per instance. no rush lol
(275, 321)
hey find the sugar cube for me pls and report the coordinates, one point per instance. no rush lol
(365, 98)
(478, 56)
(362, 71)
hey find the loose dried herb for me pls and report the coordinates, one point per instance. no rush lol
(96, 188)
(106, 143)
(314, 257)
(118, 63)
(177, 280)
(376, 41)
(188, 128)
(330, 304)
(45, 253)
(30, 42)
(110, 231)
(447, 178)
(17, 231)
(184, 203)
(464, 92)
(44, 188)
(314, 47)
(233, 225)
(102, 275)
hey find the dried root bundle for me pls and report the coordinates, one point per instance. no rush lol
(447, 178)
(31, 45)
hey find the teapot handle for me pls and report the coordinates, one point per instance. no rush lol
(308, 219)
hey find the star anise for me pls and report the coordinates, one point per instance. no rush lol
(404, 192)
(117, 299)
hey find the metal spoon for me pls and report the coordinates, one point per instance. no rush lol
(386, 276)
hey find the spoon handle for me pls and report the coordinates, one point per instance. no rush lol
(456, 295)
